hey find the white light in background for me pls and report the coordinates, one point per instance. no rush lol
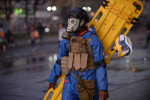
(55, 18)
(84, 8)
(55, 57)
(47, 30)
(54, 8)
(88, 8)
(50, 59)
(49, 8)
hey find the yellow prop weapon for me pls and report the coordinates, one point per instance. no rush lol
(57, 93)
(112, 19)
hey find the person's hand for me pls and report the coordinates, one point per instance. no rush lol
(103, 95)
(51, 85)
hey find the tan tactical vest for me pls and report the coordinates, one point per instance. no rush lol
(80, 55)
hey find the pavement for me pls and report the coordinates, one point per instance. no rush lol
(45, 40)
(24, 48)
(24, 72)
(139, 90)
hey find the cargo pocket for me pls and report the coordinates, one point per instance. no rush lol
(86, 89)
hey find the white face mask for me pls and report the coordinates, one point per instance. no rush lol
(73, 24)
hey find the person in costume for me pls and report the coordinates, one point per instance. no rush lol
(81, 59)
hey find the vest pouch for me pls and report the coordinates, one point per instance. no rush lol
(64, 65)
(70, 61)
(77, 61)
(84, 59)
(86, 89)
(80, 54)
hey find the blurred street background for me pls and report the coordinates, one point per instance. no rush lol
(29, 50)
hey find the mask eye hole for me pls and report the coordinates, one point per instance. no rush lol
(73, 21)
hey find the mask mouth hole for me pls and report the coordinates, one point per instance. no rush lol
(69, 30)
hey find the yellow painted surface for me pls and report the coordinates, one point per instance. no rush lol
(117, 16)
(57, 93)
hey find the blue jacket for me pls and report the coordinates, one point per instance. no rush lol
(98, 51)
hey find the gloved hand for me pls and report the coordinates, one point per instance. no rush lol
(51, 85)
(103, 95)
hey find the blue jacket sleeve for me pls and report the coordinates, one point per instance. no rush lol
(101, 72)
(56, 70)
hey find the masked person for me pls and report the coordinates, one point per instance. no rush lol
(81, 59)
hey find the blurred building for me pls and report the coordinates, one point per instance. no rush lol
(19, 15)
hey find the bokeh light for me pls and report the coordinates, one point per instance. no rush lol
(54, 8)
(49, 8)
(47, 29)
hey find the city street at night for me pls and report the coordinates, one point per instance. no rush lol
(101, 48)
(25, 75)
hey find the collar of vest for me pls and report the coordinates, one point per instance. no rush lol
(82, 31)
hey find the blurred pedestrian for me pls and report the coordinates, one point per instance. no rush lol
(34, 37)
(10, 39)
(61, 31)
(2, 39)
(148, 35)
(40, 29)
